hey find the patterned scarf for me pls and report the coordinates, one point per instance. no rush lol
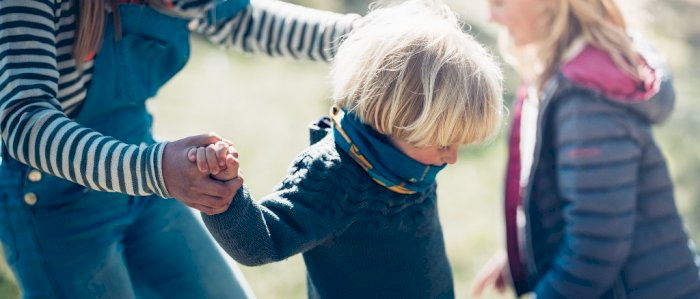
(386, 164)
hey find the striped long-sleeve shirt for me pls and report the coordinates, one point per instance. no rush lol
(41, 90)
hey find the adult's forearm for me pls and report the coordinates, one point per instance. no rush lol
(277, 28)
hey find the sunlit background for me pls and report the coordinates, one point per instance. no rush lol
(264, 106)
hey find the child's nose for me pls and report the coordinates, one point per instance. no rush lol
(450, 156)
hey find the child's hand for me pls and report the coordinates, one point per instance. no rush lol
(495, 275)
(219, 159)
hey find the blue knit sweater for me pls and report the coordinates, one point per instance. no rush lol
(358, 239)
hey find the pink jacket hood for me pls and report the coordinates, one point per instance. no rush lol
(652, 97)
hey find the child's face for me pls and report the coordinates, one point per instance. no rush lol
(431, 155)
(518, 17)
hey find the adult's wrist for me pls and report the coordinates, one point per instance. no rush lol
(158, 177)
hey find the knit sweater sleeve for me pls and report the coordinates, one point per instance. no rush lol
(597, 163)
(35, 130)
(277, 28)
(300, 214)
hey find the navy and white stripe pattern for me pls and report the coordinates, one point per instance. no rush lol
(41, 90)
(281, 29)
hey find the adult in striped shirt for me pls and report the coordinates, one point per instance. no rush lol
(81, 176)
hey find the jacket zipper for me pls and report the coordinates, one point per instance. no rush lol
(547, 97)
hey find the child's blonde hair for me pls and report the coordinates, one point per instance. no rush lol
(409, 71)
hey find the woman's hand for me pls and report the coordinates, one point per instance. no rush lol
(189, 185)
(493, 275)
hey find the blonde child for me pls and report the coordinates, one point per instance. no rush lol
(360, 204)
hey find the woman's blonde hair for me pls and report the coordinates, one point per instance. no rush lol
(91, 24)
(599, 23)
(410, 72)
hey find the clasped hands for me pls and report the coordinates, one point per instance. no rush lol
(202, 172)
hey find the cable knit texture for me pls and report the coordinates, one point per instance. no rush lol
(358, 239)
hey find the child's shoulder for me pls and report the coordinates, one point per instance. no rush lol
(320, 168)
(325, 159)
(320, 157)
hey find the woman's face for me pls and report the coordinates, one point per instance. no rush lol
(519, 17)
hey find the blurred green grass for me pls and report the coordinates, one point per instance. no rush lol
(264, 106)
(8, 286)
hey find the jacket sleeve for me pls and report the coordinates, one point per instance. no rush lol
(277, 28)
(597, 163)
(36, 131)
(301, 214)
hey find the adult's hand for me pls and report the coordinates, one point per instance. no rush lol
(189, 185)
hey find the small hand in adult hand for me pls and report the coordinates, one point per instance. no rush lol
(188, 184)
(219, 159)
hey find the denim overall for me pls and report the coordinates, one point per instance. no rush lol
(63, 240)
